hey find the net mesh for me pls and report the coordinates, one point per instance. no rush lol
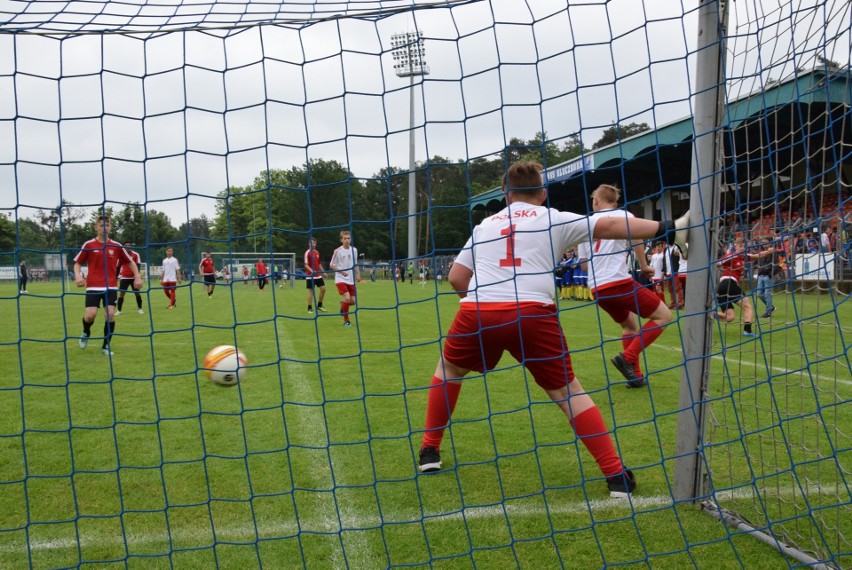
(254, 126)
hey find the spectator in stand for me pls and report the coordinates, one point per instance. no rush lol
(812, 244)
(825, 240)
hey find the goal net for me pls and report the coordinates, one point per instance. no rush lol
(247, 128)
(241, 266)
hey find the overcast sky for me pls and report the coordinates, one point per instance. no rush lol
(172, 118)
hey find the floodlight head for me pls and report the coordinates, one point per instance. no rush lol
(408, 54)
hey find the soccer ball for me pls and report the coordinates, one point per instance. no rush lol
(225, 365)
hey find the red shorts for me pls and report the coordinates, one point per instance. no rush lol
(621, 299)
(344, 288)
(532, 335)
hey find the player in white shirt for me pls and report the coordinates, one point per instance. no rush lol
(344, 263)
(657, 266)
(503, 276)
(170, 277)
(618, 293)
(680, 276)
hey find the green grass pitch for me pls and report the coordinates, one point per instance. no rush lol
(138, 461)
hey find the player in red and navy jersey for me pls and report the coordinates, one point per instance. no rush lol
(618, 293)
(503, 277)
(344, 262)
(313, 276)
(100, 255)
(729, 292)
(208, 273)
(125, 280)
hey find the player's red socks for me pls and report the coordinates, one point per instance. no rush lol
(650, 332)
(442, 401)
(344, 309)
(591, 429)
(626, 339)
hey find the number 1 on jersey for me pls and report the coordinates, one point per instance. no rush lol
(510, 260)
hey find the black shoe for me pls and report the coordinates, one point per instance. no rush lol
(626, 369)
(638, 383)
(621, 485)
(430, 460)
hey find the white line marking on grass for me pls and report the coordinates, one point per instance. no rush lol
(663, 346)
(314, 433)
(243, 534)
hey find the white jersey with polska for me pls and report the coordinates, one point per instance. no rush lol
(513, 253)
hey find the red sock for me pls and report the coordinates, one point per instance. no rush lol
(344, 308)
(626, 339)
(591, 429)
(442, 401)
(649, 333)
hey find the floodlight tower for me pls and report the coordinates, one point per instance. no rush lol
(408, 55)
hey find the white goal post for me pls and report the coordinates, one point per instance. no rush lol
(281, 265)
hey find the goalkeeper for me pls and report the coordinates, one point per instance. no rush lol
(503, 277)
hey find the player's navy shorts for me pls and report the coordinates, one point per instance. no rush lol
(531, 333)
(727, 293)
(344, 288)
(95, 298)
(125, 283)
(621, 299)
(210, 278)
(318, 282)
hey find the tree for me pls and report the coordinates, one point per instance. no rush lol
(617, 133)
(8, 233)
(51, 223)
(282, 207)
(128, 225)
(161, 234)
(197, 234)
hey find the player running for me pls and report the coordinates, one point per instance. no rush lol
(618, 293)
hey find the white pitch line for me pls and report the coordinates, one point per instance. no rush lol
(327, 525)
(778, 369)
(314, 433)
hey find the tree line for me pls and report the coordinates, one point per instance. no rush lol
(282, 208)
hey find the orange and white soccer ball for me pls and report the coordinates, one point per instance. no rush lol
(225, 365)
